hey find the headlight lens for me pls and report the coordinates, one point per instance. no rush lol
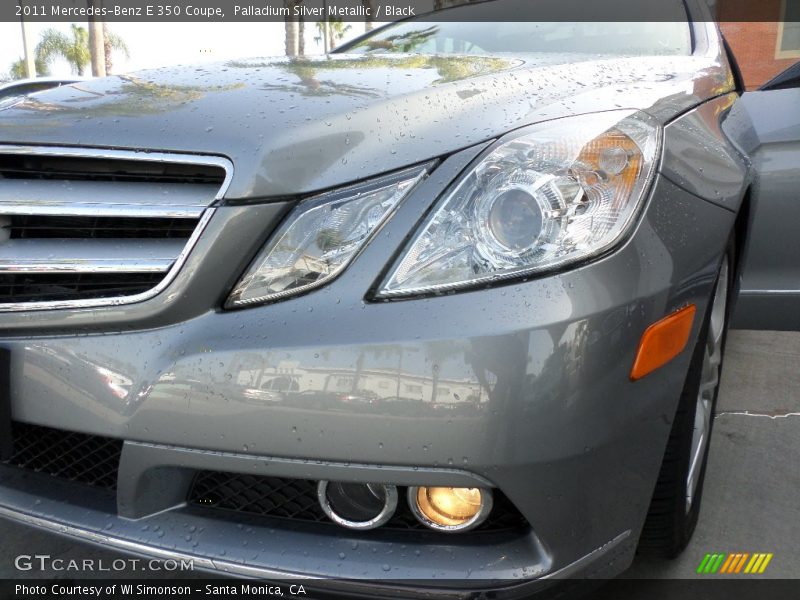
(560, 192)
(320, 238)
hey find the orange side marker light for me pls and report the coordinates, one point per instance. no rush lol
(663, 341)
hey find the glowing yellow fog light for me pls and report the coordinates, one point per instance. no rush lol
(448, 508)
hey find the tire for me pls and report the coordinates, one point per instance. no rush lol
(675, 505)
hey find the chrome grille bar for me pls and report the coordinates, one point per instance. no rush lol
(110, 198)
(88, 256)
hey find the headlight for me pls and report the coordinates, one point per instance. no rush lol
(320, 238)
(557, 193)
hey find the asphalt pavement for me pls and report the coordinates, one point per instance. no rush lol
(752, 492)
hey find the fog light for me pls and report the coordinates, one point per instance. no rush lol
(357, 505)
(448, 508)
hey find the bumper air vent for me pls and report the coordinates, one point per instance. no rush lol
(88, 459)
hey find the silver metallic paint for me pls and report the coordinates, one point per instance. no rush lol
(551, 418)
(255, 112)
(560, 430)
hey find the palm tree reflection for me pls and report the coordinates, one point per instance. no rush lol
(311, 83)
(133, 96)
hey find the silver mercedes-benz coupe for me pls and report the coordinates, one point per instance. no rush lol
(444, 309)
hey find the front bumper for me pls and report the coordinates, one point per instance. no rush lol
(523, 387)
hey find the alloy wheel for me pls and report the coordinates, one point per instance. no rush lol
(709, 382)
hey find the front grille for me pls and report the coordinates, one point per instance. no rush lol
(89, 459)
(97, 228)
(296, 499)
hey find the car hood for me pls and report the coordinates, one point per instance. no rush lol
(294, 126)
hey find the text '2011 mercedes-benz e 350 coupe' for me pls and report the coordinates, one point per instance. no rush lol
(445, 306)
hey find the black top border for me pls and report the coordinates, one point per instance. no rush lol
(220, 11)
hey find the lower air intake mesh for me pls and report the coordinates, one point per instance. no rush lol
(89, 459)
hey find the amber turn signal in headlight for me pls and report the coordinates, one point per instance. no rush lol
(663, 341)
(448, 508)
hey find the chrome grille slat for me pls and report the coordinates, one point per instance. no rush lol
(117, 199)
(89, 228)
(89, 255)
